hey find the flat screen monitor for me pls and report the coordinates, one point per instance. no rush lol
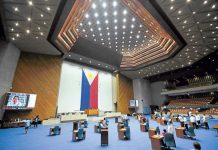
(133, 103)
(19, 101)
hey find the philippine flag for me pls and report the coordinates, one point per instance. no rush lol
(89, 92)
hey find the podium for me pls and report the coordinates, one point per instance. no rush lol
(104, 137)
(180, 132)
(91, 112)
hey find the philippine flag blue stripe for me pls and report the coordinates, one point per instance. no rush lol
(85, 93)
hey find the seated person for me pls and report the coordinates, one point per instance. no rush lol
(196, 146)
(103, 124)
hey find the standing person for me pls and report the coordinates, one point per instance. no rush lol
(205, 121)
(170, 128)
(198, 120)
(27, 125)
(193, 121)
(36, 120)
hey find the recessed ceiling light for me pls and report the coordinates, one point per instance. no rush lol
(28, 31)
(94, 6)
(41, 33)
(124, 27)
(208, 14)
(96, 14)
(37, 37)
(133, 19)
(115, 13)
(30, 3)
(114, 3)
(89, 23)
(12, 29)
(115, 27)
(205, 2)
(44, 23)
(15, 9)
(16, 24)
(115, 20)
(87, 15)
(98, 22)
(215, 18)
(106, 21)
(104, 5)
(125, 12)
(132, 26)
(171, 7)
(213, 6)
(91, 29)
(41, 15)
(29, 19)
(179, 12)
(194, 12)
(105, 14)
(137, 36)
(48, 8)
(17, 35)
(13, 38)
(124, 20)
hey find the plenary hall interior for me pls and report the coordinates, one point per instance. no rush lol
(108, 74)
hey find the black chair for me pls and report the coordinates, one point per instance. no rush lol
(191, 133)
(169, 140)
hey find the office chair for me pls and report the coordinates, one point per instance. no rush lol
(169, 140)
(85, 124)
(127, 133)
(147, 126)
(190, 133)
(81, 135)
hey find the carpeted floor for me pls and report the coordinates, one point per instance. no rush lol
(38, 139)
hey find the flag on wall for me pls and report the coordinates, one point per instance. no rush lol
(89, 92)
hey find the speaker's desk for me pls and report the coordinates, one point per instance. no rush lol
(156, 142)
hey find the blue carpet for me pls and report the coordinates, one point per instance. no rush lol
(38, 139)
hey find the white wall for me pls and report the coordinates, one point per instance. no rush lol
(9, 56)
(156, 88)
(142, 91)
(70, 88)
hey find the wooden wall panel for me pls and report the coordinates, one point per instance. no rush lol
(125, 93)
(38, 74)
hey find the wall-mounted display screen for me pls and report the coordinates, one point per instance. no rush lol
(19, 101)
(133, 103)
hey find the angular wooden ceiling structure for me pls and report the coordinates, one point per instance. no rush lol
(121, 25)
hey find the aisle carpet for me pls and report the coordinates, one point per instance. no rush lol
(38, 139)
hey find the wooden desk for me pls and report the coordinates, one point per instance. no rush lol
(91, 112)
(75, 134)
(13, 124)
(180, 132)
(158, 120)
(143, 127)
(151, 132)
(156, 142)
(120, 126)
(121, 133)
(216, 128)
(174, 119)
(104, 137)
(162, 122)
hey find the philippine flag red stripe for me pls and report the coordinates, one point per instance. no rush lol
(94, 93)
